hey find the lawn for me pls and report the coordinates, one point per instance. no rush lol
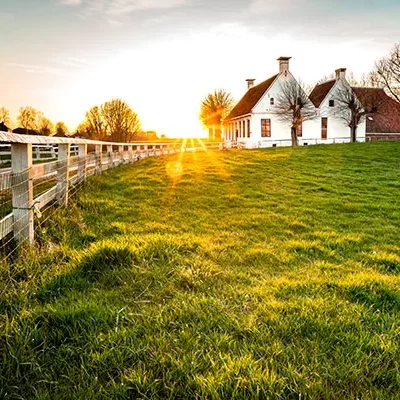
(262, 274)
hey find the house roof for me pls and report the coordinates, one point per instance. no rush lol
(251, 98)
(23, 131)
(3, 127)
(387, 117)
(320, 91)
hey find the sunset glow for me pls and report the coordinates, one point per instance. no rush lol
(163, 57)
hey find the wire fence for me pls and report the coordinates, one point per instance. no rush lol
(29, 196)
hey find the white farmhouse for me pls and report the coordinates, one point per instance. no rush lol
(253, 123)
(331, 126)
(383, 124)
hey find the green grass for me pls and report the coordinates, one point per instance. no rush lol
(265, 274)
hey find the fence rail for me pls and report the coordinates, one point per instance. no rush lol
(39, 153)
(263, 143)
(27, 190)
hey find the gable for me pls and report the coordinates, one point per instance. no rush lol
(3, 127)
(251, 98)
(320, 92)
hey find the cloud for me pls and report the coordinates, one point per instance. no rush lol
(128, 6)
(36, 69)
(272, 7)
(124, 7)
(73, 62)
(71, 2)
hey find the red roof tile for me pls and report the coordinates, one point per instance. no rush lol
(319, 93)
(387, 117)
(251, 98)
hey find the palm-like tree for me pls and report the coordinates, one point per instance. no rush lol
(214, 108)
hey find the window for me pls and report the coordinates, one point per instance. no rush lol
(324, 128)
(331, 103)
(248, 128)
(272, 101)
(265, 128)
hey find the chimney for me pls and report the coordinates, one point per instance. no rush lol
(341, 74)
(284, 64)
(250, 83)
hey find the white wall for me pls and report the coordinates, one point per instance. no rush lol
(337, 128)
(337, 131)
(280, 132)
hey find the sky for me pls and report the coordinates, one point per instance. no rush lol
(164, 56)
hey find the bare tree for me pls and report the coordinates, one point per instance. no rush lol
(214, 108)
(43, 125)
(113, 120)
(293, 107)
(84, 131)
(352, 79)
(122, 122)
(27, 118)
(326, 78)
(387, 72)
(94, 125)
(61, 129)
(5, 116)
(353, 104)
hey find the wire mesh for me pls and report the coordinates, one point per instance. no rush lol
(29, 198)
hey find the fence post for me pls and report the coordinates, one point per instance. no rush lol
(82, 163)
(53, 151)
(99, 159)
(63, 174)
(22, 192)
(130, 152)
(37, 153)
(110, 156)
(121, 154)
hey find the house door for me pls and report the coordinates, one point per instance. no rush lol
(324, 128)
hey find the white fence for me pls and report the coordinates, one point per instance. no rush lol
(39, 152)
(20, 202)
(264, 143)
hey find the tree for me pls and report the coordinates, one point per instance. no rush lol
(94, 125)
(293, 107)
(352, 107)
(387, 72)
(353, 80)
(122, 122)
(27, 118)
(84, 131)
(43, 125)
(150, 135)
(61, 129)
(5, 116)
(214, 108)
(114, 120)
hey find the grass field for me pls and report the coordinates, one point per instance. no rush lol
(265, 274)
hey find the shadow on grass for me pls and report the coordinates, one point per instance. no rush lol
(41, 338)
(112, 263)
(375, 296)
